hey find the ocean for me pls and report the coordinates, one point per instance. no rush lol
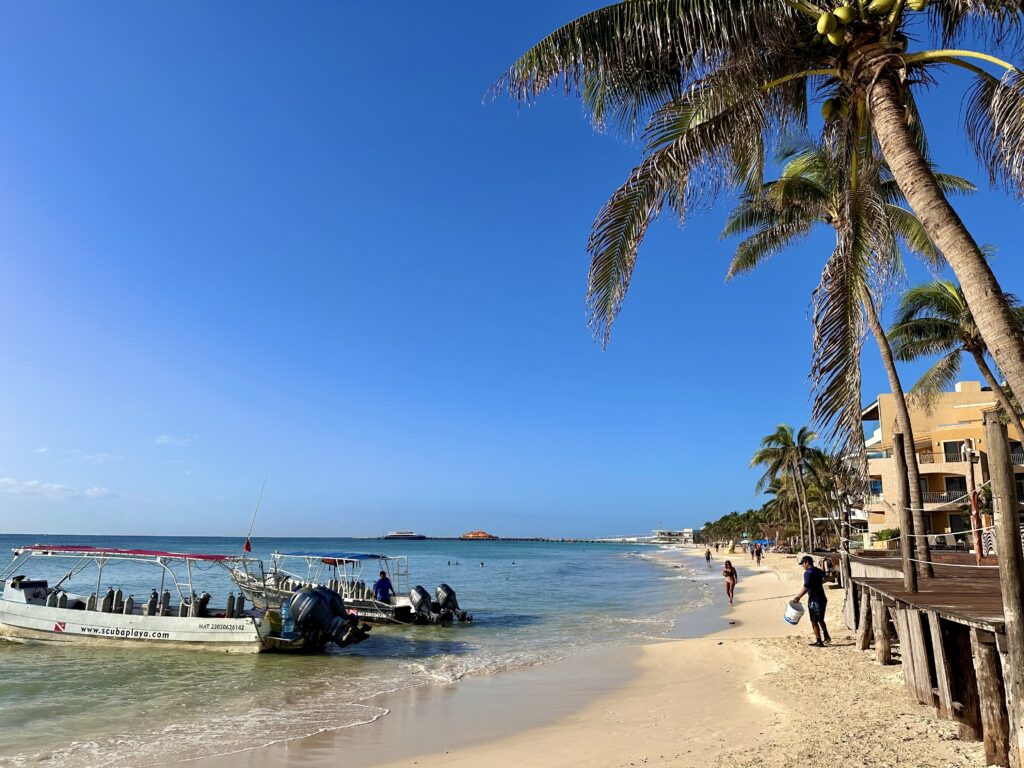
(533, 602)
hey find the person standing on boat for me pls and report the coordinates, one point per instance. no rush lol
(382, 589)
(731, 577)
(817, 602)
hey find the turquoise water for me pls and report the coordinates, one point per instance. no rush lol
(77, 706)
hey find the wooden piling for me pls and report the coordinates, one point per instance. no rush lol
(995, 721)
(883, 643)
(966, 706)
(943, 678)
(922, 664)
(906, 649)
(906, 526)
(864, 628)
(1011, 572)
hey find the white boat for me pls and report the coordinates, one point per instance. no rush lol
(33, 609)
(342, 572)
(406, 535)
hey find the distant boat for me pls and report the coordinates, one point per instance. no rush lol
(478, 535)
(405, 535)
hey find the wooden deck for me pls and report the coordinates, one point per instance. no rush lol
(973, 599)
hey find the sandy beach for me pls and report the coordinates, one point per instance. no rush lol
(752, 692)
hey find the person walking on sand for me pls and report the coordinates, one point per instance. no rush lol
(757, 553)
(731, 577)
(817, 602)
(707, 557)
(716, 546)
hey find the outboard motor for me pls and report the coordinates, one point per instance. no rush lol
(425, 611)
(320, 617)
(204, 601)
(447, 601)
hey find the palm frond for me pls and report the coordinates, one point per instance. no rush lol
(626, 53)
(909, 229)
(994, 118)
(940, 378)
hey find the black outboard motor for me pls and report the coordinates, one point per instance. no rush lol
(425, 610)
(320, 617)
(447, 601)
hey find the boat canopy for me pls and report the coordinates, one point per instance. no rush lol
(78, 550)
(336, 556)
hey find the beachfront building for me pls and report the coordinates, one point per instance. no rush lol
(681, 536)
(943, 438)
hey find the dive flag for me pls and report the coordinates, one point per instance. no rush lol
(248, 545)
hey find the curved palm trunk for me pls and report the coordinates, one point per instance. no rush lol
(999, 392)
(1002, 335)
(903, 422)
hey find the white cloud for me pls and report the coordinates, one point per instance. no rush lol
(96, 492)
(42, 450)
(51, 490)
(170, 440)
(97, 457)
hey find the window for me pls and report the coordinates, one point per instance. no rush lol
(952, 450)
(1020, 486)
(876, 486)
(956, 484)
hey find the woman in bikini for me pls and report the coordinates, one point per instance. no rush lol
(731, 577)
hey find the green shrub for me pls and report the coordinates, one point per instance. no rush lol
(887, 533)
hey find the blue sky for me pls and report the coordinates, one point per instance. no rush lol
(236, 236)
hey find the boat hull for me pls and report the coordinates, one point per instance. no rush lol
(64, 625)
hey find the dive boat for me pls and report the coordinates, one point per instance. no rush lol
(35, 609)
(342, 572)
(405, 535)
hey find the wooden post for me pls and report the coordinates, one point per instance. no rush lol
(922, 664)
(966, 707)
(995, 722)
(906, 649)
(906, 526)
(972, 489)
(943, 681)
(864, 628)
(1011, 572)
(883, 643)
(850, 590)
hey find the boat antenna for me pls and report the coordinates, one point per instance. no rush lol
(247, 547)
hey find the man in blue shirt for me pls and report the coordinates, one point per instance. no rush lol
(814, 588)
(382, 589)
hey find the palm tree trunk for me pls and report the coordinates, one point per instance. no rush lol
(802, 490)
(1002, 335)
(999, 392)
(800, 520)
(904, 425)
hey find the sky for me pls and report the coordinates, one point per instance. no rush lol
(249, 240)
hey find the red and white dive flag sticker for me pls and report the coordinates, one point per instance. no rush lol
(59, 626)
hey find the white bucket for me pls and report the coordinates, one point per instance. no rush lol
(794, 612)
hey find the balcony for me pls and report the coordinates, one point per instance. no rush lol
(947, 457)
(943, 497)
(1017, 457)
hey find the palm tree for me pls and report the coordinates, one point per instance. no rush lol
(785, 453)
(816, 187)
(716, 82)
(783, 506)
(934, 319)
